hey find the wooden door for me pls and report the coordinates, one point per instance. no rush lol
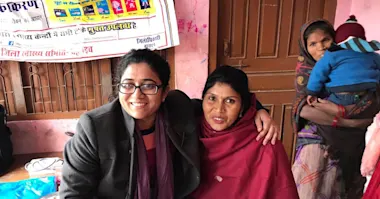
(260, 37)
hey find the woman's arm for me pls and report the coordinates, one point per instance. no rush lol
(355, 123)
(315, 115)
(197, 105)
(259, 106)
(323, 112)
(266, 126)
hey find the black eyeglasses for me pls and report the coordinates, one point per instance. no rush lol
(147, 89)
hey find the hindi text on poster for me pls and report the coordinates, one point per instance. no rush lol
(81, 30)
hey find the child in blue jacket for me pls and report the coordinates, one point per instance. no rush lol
(349, 70)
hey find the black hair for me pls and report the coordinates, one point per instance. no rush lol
(158, 64)
(235, 78)
(319, 25)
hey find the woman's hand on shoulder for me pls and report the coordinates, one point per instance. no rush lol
(267, 127)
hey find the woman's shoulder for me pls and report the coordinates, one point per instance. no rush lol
(178, 102)
(180, 108)
(177, 95)
(102, 120)
(197, 105)
(181, 100)
(105, 110)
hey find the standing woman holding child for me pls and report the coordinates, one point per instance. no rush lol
(329, 145)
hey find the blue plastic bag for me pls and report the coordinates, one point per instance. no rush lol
(28, 189)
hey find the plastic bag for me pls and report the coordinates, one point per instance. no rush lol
(28, 189)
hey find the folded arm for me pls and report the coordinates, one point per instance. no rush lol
(323, 112)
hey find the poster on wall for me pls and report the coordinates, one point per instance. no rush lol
(82, 30)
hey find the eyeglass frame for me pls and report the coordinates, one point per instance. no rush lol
(139, 87)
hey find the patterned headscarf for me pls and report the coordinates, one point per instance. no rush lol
(304, 66)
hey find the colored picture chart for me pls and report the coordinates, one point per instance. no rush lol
(67, 11)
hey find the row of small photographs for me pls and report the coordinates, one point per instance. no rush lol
(103, 8)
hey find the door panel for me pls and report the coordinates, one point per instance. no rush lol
(260, 37)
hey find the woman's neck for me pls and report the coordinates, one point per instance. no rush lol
(146, 123)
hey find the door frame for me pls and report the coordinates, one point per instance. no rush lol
(213, 28)
(213, 35)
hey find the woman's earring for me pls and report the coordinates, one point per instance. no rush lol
(241, 114)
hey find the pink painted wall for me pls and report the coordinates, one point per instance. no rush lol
(367, 13)
(191, 56)
(39, 136)
(343, 11)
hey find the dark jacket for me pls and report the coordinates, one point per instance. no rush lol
(98, 157)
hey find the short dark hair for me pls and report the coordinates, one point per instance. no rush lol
(235, 78)
(319, 25)
(158, 64)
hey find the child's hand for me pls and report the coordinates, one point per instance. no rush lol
(310, 99)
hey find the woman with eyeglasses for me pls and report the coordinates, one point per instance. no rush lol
(144, 144)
